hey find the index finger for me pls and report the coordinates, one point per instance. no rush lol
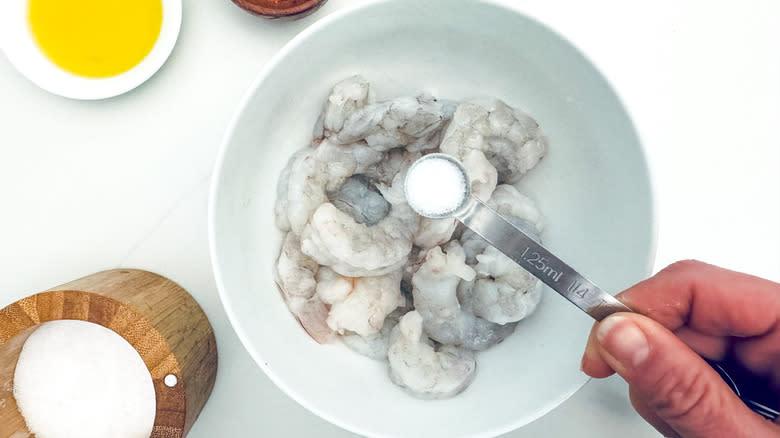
(711, 300)
(739, 309)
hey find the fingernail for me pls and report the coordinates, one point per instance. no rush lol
(623, 339)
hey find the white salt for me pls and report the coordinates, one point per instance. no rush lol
(75, 379)
(435, 186)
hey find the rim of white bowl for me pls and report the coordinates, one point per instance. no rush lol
(217, 174)
(19, 46)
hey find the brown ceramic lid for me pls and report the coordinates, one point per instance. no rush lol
(279, 8)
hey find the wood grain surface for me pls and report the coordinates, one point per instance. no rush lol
(157, 317)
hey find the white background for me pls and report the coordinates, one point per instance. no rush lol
(87, 186)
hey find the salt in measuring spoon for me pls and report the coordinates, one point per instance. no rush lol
(437, 186)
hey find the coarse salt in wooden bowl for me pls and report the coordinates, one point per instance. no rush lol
(159, 319)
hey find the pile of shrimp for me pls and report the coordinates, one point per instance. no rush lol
(359, 266)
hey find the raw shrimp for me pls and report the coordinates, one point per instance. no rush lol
(507, 200)
(305, 189)
(356, 157)
(404, 121)
(295, 271)
(435, 287)
(394, 192)
(313, 173)
(345, 98)
(482, 175)
(514, 206)
(394, 162)
(332, 287)
(358, 264)
(434, 232)
(295, 274)
(282, 198)
(310, 173)
(509, 138)
(363, 311)
(359, 198)
(423, 371)
(334, 239)
(312, 314)
(375, 345)
(502, 292)
(414, 261)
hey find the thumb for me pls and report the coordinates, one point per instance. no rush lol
(671, 383)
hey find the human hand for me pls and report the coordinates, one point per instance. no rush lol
(688, 308)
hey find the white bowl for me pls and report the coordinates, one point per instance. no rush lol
(593, 188)
(18, 44)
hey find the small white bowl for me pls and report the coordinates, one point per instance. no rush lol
(593, 188)
(18, 43)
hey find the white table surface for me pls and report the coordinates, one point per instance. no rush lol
(87, 186)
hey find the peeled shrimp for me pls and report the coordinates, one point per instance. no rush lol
(394, 162)
(282, 194)
(502, 292)
(332, 287)
(519, 209)
(341, 158)
(435, 286)
(404, 121)
(295, 274)
(295, 270)
(423, 371)
(358, 264)
(359, 198)
(334, 239)
(508, 201)
(305, 189)
(363, 311)
(509, 138)
(359, 305)
(314, 172)
(434, 232)
(482, 174)
(394, 192)
(414, 261)
(375, 345)
(312, 315)
(346, 97)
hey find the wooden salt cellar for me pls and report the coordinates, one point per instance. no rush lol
(156, 316)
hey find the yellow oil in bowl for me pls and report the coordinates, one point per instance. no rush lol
(96, 38)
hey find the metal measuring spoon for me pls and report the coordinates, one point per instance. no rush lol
(457, 201)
